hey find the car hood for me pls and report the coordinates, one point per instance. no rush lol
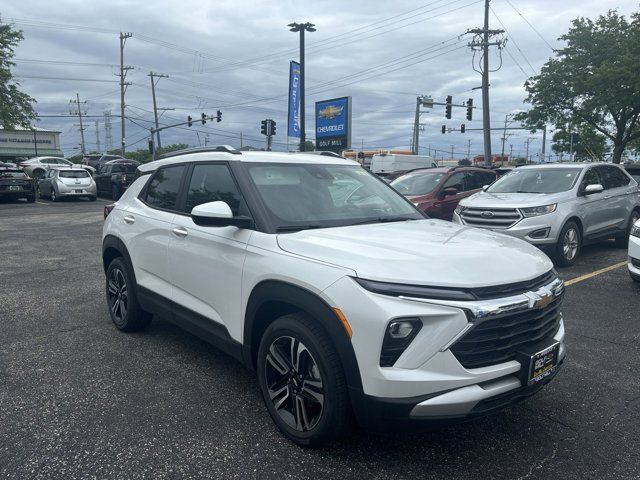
(511, 200)
(422, 252)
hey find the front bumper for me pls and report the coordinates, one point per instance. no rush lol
(427, 382)
(634, 257)
(542, 230)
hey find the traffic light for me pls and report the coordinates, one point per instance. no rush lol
(273, 127)
(470, 109)
(203, 118)
(462, 128)
(218, 116)
(444, 129)
(447, 110)
(263, 128)
(189, 121)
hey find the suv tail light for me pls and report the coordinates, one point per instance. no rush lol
(123, 179)
(107, 209)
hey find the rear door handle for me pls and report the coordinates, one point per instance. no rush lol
(129, 219)
(607, 196)
(180, 232)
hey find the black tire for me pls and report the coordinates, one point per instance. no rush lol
(565, 255)
(622, 241)
(120, 289)
(318, 373)
(92, 198)
(53, 196)
(115, 192)
(31, 198)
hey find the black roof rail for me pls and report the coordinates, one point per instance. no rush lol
(215, 148)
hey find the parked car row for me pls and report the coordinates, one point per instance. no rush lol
(557, 207)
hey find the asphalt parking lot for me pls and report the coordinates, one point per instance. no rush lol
(79, 399)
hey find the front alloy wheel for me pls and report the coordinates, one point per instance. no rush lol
(294, 383)
(568, 246)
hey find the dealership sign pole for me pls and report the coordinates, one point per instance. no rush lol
(293, 123)
(333, 124)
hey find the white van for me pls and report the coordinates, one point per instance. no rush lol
(399, 163)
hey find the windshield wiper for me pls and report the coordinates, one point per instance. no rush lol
(296, 228)
(385, 220)
(525, 191)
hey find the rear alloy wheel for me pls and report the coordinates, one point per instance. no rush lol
(622, 241)
(123, 305)
(302, 381)
(568, 246)
(54, 197)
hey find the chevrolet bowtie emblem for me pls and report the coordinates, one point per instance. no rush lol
(539, 300)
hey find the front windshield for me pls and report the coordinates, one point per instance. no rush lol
(314, 196)
(536, 180)
(417, 183)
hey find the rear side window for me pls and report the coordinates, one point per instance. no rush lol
(163, 190)
(212, 183)
(73, 174)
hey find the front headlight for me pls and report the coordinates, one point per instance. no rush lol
(537, 211)
(635, 231)
(459, 209)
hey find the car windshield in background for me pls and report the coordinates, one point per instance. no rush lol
(12, 174)
(73, 174)
(536, 180)
(124, 168)
(417, 183)
(316, 196)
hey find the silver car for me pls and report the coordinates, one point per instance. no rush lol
(67, 182)
(558, 207)
(37, 166)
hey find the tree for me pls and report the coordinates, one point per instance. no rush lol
(464, 162)
(309, 146)
(587, 143)
(593, 81)
(16, 107)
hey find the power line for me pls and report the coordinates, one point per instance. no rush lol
(532, 27)
(515, 43)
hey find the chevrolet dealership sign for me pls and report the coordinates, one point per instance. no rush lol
(333, 124)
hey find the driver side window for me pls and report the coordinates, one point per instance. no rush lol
(455, 181)
(591, 178)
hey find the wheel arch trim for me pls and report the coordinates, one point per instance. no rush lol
(310, 303)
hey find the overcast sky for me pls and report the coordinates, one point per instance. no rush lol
(234, 56)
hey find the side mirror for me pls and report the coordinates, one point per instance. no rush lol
(448, 192)
(484, 188)
(593, 188)
(217, 214)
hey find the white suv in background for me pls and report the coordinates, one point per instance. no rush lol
(343, 304)
(558, 207)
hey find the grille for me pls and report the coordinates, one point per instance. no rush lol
(490, 217)
(498, 339)
(501, 291)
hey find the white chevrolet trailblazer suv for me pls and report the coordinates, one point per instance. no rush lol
(345, 299)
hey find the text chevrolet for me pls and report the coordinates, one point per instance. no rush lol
(339, 292)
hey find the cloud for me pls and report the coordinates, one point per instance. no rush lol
(234, 55)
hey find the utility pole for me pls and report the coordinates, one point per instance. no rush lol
(451, 152)
(504, 134)
(510, 151)
(544, 140)
(527, 142)
(481, 43)
(468, 148)
(155, 106)
(123, 87)
(97, 137)
(302, 27)
(108, 139)
(78, 112)
(571, 147)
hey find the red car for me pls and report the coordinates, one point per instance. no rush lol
(437, 191)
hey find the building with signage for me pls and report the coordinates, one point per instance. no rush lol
(22, 143)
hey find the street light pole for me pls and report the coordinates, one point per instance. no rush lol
(301, 27)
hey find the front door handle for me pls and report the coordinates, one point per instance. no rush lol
(607, 197)
(129, 219)
(180, 232)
